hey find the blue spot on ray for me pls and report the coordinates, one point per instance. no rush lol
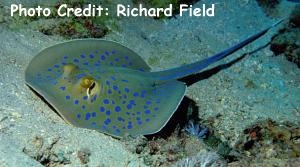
(94, 98)
(101, 109)
(147, 111)
(87, 116)
(107, 121)
(68, 97)
(129, 106)
(121, 119)
(135, 94)
(118, 109)
(84, 97)
(106, 101)
(132, 102)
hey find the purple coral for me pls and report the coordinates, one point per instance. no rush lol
(196, 129)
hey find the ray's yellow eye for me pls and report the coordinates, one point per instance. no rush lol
(91, 86)
(86, 81)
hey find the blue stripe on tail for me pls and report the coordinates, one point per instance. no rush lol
(185, 70)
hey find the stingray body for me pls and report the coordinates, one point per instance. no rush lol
(102, 85)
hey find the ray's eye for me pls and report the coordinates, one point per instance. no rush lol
(90, 89)
(86, 82)
(90, 85)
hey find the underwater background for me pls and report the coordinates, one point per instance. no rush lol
(243, 111)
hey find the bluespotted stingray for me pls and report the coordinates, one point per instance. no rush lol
(102, 85)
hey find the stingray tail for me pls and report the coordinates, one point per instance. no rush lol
(189, 69)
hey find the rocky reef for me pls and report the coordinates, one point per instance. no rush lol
(287, 41)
